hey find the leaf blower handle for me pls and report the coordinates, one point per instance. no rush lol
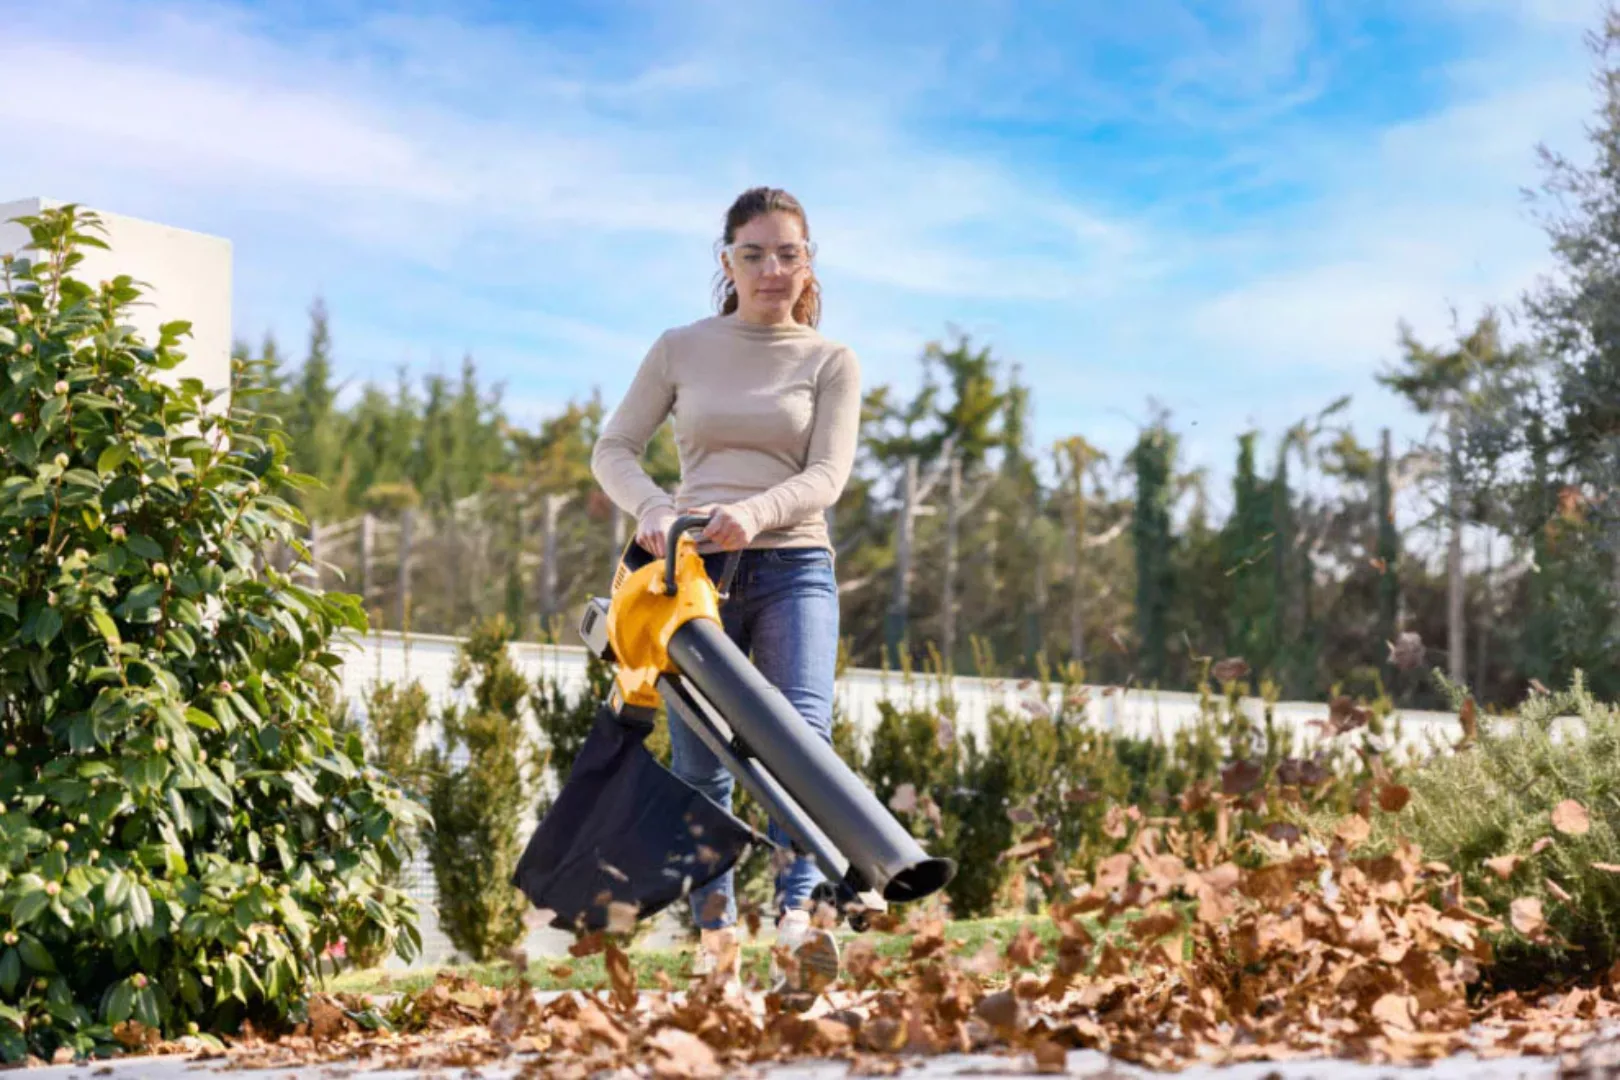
(686, 523)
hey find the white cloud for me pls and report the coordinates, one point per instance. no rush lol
(552, 202)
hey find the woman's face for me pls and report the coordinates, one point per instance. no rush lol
(768, 263)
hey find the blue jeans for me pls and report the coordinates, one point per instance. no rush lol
(783, 609)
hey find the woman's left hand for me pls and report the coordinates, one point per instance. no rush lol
(728, 527)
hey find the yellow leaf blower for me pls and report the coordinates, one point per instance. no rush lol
(624, 832)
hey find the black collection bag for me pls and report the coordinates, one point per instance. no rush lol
(624, 829)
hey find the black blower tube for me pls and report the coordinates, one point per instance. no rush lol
(879, 849)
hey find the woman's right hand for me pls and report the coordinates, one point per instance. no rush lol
(652, 532)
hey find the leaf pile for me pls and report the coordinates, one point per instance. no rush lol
(1171, 953)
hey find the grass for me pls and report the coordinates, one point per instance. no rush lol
(963, 938)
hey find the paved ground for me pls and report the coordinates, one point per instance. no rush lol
(1083, 1064)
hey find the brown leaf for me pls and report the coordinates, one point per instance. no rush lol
(326, 1017)
(1282, 831)
(1406, 651)
(1558, 892)
(1527, 916)
(1541, 845)
(1353, 830)
(1607, 867)
(1002, 1010)
(1468, 716)
(1113, 872)
(589, 945)
(1300, 772)
(1345, 715)
(1570, 817)
(680, 1055)
(1051, 1057)
(1504, 865)
(1241, 777)
(1396, 1011)
(623, 977)
(1155, 925)
(1026, 948)
(1025, 849)
(621, 918)
(1114, 823)
(1392, 798)
(986, 962)
(1230, 670)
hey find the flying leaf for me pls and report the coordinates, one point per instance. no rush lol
(904, 799)
(1504, 865)
(1353, 830)
(1394, 797)
(1570, 817)
(1468, 716)
(1527, 916)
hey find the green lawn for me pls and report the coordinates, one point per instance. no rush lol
(963, 938)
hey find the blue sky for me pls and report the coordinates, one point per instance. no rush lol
(1226, 206)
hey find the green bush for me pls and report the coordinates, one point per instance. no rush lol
(478, 804)
(183, 836)
(1496, 800)
(565, 720)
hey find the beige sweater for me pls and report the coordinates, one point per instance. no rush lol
(765, 419)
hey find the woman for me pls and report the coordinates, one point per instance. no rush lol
(766, 413)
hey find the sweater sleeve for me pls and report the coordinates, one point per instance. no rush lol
(616, 456)
(833, 434)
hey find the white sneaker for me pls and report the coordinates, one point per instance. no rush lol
(814, 951)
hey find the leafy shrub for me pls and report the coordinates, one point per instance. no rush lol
(183, 837)
(1530, 810)
(478, 801)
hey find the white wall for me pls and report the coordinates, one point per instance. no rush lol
(187, 275)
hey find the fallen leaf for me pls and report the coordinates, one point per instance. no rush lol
(1231, 669)
(680, 1055)
(1558, 891)
(1395, 1010)
(1607, 867)
(1570, 817)
(904, 799)
(1541, 845)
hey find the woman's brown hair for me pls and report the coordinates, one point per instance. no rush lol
(753, 203)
